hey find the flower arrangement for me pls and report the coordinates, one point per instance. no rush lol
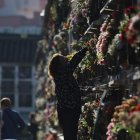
(114, 45)
(60, 43)
(51, 116)
(130, 29)
(77, 21)
(133, 31)
(90, 59)
(40, 102)
(125, 45)
(126, 119)
(79, 25)
(107, 30)
(86, 124)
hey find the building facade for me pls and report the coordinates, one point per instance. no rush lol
(21, 16)
(17, 71)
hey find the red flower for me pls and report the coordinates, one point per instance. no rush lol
(129, 9)
(126, 29)
(137, 108)
(121, 37)
(131, 40)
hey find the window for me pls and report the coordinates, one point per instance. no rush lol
(16, 84)
(25, 87)
(25, 100)
(25, 72)
(8, 72)
(25, 115)
(8, 86)
(25, 93)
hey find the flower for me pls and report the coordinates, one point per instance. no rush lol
(126, 117)
(66, 25)
(129, 10)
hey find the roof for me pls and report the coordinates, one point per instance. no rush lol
(18, 21)
(18, 49)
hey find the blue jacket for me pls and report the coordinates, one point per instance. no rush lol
(13, 123)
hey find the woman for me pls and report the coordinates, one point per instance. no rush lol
(67, 92)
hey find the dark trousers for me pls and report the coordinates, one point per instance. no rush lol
(69, 123)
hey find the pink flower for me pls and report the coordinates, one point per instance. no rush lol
(109, 138)
(102, 62)
(110, 126)
(103, 28)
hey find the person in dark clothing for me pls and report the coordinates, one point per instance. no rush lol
(67, 92)
(13, 123)
(33, 126)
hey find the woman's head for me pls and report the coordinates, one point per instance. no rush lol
(57, 62)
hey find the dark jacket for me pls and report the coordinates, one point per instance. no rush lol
(66, 87)
(13, 124)
(32, 129)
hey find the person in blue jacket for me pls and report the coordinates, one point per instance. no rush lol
(67, 91)
(12, 121)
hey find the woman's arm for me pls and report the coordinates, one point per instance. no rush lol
(76, 59)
